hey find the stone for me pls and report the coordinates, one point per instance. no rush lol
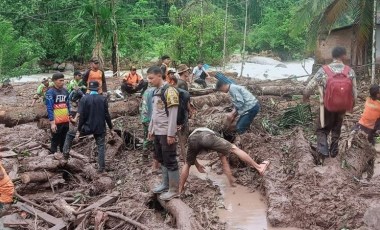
(61, 67)
(372, 217)
(69, 67)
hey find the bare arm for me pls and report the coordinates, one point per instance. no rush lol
(227, 170)
(184, 176)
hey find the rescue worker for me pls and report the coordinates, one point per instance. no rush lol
(163, 128)
(7, 190)
(76, 83)
(205, 139)
(333, 119)
(94, 115)
(95, 74)
(58, 107)
(171, 79)
(133, 82)
(245, 105)
(41, 91)
(184, 74)
(199, 75)
(165, 62)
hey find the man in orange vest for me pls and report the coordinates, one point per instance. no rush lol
(7, 190)
(133, 82)
(95, 74)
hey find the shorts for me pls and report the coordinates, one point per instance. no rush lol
(206, 141)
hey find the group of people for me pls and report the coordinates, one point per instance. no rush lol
(166, 107)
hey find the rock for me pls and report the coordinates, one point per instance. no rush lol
(54, 66)
(236, 58)
(263, 60)
(69, 67)
(281, 65)
(372, 217)
(61, 67)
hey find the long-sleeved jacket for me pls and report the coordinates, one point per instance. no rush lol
(320, 79)
(242, 99)
(57, 105)
(94, 114)
(146, 105)
(161, 123)
(98, 76)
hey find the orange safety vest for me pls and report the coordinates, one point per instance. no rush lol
(6, 187)
(95, 76)
(370, 114)
(130, 79)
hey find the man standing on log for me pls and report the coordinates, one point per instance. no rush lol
(163, 128)
(338, 93)
(95, 74)
(246, 105)
(93, 115)
(184, 74)
(205, 139)
(58, 107)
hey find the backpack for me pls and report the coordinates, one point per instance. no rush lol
(338, 94)
(184, 98)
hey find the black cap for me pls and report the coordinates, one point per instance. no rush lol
(76, 73)
(94, 60)
(93, 85)
(57, 76)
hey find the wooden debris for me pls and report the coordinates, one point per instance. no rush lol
(109, 199)
(128, 220)
(57, 222)
(6, 154)
(66, 210)
(14, 221)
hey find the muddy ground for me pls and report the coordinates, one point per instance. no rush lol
(299, 193)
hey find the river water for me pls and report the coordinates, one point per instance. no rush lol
(244, 210)
(263, 68)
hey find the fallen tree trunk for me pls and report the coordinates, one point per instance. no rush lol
(276, 90)
(65, 209)
(128, 220)
(183, 214)
(13, 116)
(211, 100)
(214, 118)
(32, 177)
(51, 163)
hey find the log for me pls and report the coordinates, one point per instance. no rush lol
(34, 177)
(128, 220)
(214, 118)
(183, 214)
(13, 116)
(51, 163)
(211, 100)
(66, 210)
(275, 90)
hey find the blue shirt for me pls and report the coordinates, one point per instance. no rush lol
(242, 99)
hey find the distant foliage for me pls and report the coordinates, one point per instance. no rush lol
(275, 33)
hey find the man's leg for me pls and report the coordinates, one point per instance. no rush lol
(54, 142)
(335, 134)
(169, 154)
(100, 140)
(143, 85)
(70, 136)
(158, 150)
(247, 159)
(201, 82)
(246, 120)
(322, 132)
(62, 136)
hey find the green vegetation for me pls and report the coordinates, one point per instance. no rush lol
(138, 31)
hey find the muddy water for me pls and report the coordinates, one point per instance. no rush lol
(243, 210)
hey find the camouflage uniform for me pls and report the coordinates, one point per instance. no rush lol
(145, 117)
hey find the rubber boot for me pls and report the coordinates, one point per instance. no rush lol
(173, 186)
(164, 186)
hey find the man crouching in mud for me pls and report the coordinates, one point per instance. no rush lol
(206, 139)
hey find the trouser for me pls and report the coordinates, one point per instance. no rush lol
(70, 136)
(100, 140)
(201, 81)
(126, 88)
(333, 125)
(164, 153)
(58, 138)
(245, 120)
(147, 144)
